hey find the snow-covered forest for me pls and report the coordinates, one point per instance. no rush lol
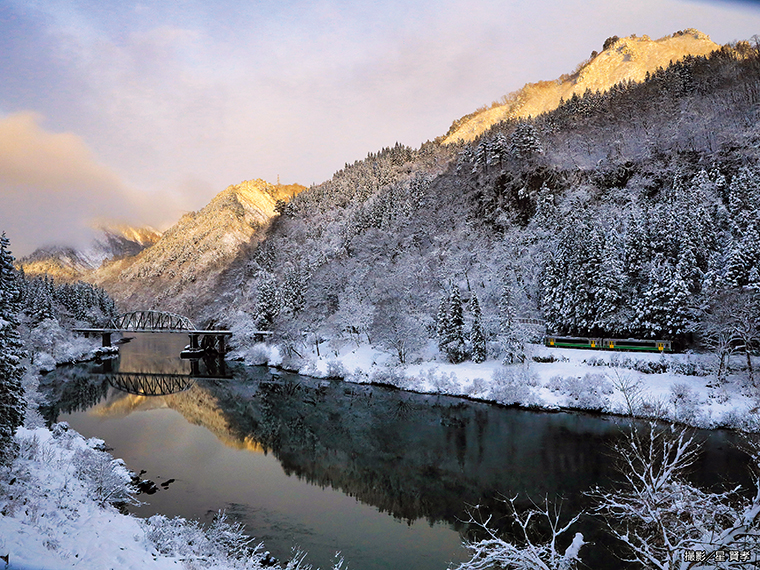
(630, 213)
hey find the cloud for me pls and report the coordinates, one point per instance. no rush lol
(181, 101)
(52, 189)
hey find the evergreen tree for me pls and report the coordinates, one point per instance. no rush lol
(524, 142)
(267, 304)
(512, 335)
(499, 149)
(39, 305)
(637, 249)
(442, 323)
(744, 259)
(482, 156)
(12, 402)
(744, 197)
(454, 345)
(293, 291)
(477, 338)
(663, 310)
(608, 291)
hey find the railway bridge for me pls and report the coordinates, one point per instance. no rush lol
(162, 322)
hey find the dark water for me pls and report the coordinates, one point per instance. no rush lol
(383, 476)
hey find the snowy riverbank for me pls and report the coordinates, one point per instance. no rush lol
(674, 387)
(57, 511)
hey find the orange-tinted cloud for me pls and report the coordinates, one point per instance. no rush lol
(52, 187)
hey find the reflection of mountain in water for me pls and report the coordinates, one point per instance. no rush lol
(73, 389)
(409, 455)
(417, 456)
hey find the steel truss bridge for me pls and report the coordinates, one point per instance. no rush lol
(151, 321)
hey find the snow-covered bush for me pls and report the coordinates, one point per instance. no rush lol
(512, 385)
(107, 479)
(685, 402)
(650, 366)
(443, 383)
(257, 355)
(589, 393)
(220, 542)
(654, 407)
(390, 376)
(545, 359)
(358, 376)
(478, 387)
(688, 367)
(335, 369)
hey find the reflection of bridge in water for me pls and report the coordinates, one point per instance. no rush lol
(149, 384)
(154, 383)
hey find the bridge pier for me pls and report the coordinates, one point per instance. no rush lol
(194, 341)
(106, 338)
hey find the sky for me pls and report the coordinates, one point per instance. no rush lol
(137, 112)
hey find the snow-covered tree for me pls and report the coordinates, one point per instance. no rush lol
(477, 337)
(730, 323)
(267, 304)
(529, 548)
(663, 311)
(608, 291)
(744, 263)
(12, 404)
(41, 306)
(293, 290)
(659, 516)
(454, 345)
(442, 322)
(525, 142)
(512, 335)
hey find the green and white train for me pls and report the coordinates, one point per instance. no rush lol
(632, 344)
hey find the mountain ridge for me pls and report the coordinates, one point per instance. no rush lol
(189, 256)
(621, 60)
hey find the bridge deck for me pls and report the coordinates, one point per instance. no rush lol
(185, 331)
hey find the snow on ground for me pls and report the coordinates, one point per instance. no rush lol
(57, 511)
(676, 387)
(51, 521)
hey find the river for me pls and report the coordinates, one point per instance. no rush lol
(381, 475)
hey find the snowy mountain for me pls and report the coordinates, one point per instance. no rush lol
(621, 60)
(69, 264)
(187, 261)
(626, 213)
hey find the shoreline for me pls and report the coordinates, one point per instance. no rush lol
(678, 388)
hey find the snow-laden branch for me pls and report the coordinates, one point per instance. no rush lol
(660, 516)
(526, 551)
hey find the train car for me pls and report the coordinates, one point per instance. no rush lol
(632, 344)
(573, 342)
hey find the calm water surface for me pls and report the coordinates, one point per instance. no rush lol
(381, 475)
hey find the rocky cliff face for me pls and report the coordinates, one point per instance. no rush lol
(178, 271)
(626, 59)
